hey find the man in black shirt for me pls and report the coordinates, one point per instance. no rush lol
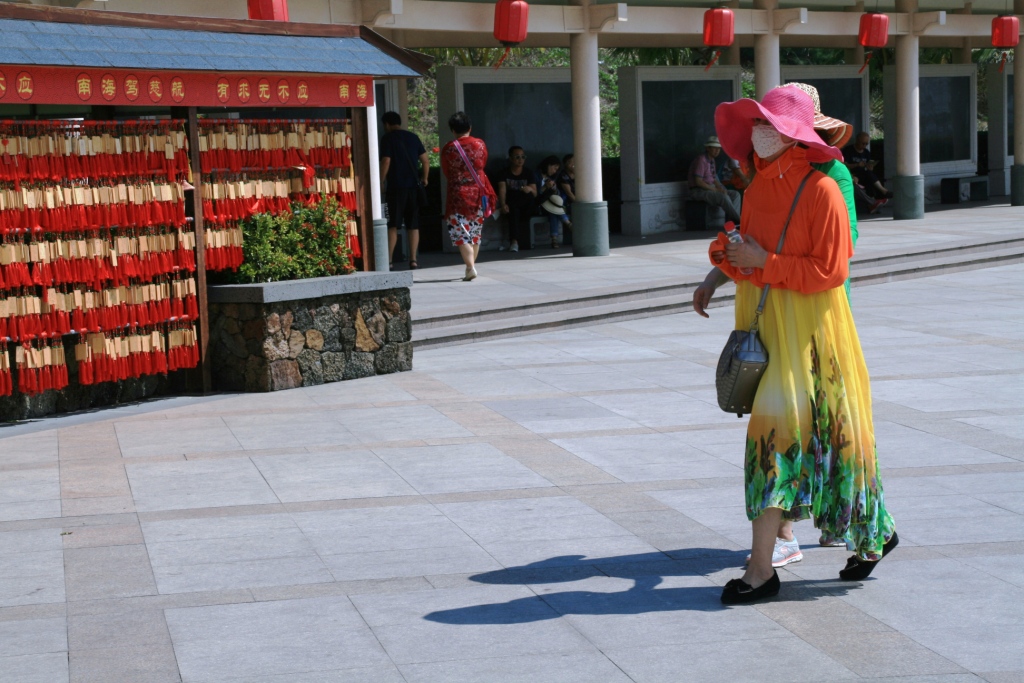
(398, 173)
(858, 159)
(517, 197)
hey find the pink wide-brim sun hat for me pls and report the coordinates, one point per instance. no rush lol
(789, 110)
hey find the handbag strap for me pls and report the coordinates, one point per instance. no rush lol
(778, 249)
(472, 171)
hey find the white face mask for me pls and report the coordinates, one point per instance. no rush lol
(767, 141)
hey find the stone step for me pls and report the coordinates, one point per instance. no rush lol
(664, 298)
(661, 288)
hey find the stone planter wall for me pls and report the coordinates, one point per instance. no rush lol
(282, 335)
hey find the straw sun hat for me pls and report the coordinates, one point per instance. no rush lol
(790, 110)
(554, 205)
(837, 133)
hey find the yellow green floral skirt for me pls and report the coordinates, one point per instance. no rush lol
(810, 440)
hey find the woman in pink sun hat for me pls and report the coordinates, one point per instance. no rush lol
(810, 447)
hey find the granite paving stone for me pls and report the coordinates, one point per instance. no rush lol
(37, 668)
(283, 637)
(330, 476)
(33, 637)
(470, 467)
(546, 668)
(563, 506)
(197, 484)
(188, 435)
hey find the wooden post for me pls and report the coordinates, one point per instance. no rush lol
(192, 130)
(361, 158)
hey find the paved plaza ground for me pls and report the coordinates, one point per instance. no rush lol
(561, 507)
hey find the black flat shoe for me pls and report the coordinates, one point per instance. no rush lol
(737, 591)
(413, 265)
(857, 569)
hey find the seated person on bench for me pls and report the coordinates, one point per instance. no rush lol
(704, 183)
(858, 159)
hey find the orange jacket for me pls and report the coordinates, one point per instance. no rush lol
(817, 249)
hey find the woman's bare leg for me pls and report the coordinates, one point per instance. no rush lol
(765, 529)
(786, 530)
(468, 252)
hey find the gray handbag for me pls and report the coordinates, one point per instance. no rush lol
(744, 358)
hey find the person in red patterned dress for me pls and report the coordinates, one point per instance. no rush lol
(465, 208)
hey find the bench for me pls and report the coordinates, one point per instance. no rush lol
(970, 189)
(702, 216)
(540, 231)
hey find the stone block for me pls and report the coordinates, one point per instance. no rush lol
(255, 328)
(296, 342)
(233, 344)
(404, 362)
(398, 328)
(273, 323)
(332, 340)
(359, 365)
(284, 374)
(376, 324)
(275, 348)
(390, 306)
(364, 337)
(231, 325)
(286, 323)
(311, 368)
(385, 361)
(333, 365)
(324, 318)
(303, 319)
(314, 339)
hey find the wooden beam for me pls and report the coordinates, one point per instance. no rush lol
(361, 158)
(63, 15)
(192, 131)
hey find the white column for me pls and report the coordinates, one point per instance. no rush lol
(908, 113)
(380, 226)
(371, 131)
(767, 71)
(586, 116)
(1017, 170)
(908, 183)
(590, 212)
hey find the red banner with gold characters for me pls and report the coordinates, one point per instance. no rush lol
(125, 87)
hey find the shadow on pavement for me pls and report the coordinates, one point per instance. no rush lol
(647, 570)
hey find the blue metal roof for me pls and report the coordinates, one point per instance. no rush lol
(60, 44)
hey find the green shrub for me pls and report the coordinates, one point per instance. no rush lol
(310, 241)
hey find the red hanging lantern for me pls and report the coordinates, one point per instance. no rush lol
(874, 33)
(1005, 34)
(874, 30)
(511, 18)
(719, 30)
(718, 27)
(268, 10)
(1005, 31)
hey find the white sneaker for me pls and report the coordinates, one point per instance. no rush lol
(828, 541)
(786, 552)
(514, 247)
(470, 274)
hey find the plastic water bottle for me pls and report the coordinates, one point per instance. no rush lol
(736, 238)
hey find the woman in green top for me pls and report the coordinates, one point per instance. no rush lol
(836, 133)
